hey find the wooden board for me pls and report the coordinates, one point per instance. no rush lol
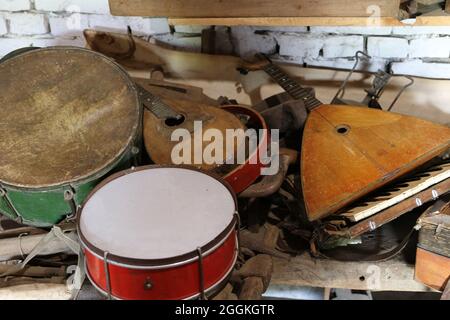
(399, 194)
(255, 8)
(441, 20)
(432, 269)
(391, 275)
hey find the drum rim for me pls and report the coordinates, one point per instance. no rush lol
(108, 166)
(165, 262)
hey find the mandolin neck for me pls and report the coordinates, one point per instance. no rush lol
(292, 87)
(156, 106)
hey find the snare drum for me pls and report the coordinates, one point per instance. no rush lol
(68, 117)
(159, 233)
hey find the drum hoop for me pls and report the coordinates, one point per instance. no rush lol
(157, 263)
(254, 115)
(221, 283)
(113, 162)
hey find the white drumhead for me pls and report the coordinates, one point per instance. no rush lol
(157, 213)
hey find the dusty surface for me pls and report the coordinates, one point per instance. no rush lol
(65, 114)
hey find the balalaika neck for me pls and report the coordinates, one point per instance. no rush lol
(292, 87)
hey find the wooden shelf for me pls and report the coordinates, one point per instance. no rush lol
(441, 20)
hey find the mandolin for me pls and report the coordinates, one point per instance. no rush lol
(164, 115)
(348, 152)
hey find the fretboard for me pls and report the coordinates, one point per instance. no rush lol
(155, 105)
(292, 87)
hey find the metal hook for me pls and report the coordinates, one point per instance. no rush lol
(341, 90)
(411, 82)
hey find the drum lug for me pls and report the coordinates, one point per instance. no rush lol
(69, 197)
(148, 285)
(4, 195)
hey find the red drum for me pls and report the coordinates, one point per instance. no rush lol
(160, 232)
(246, 174)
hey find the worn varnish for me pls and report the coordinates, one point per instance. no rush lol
(65, 114)
(348, 152)
(158, 134)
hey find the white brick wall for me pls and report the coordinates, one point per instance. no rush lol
(430, 48)
(15, 5)
(418, 67)
(27, 23)
(342, 46)
(422, 51)
(301, 45)
(61, 22)
(68, 25)
(387, 47)
(3, 27)
(85, 6)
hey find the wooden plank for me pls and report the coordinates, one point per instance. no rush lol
(409, 189)
(303, 270)
(447, 6)
(396, 211)
(432, 269)
(255, 8)
(314, 21)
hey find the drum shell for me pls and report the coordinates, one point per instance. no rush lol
(246, 174)
(46, 207)
(181, 280)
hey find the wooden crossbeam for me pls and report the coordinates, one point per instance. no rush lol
(255, 8)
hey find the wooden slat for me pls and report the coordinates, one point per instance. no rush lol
(447, 6)
(255, 8)
(313, 21)
(303, 270)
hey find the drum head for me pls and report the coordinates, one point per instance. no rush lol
(156, 213)
(66, 114)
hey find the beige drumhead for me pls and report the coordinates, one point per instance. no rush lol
(157, 213)
(66, 114)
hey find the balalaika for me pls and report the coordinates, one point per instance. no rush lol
(348, 152)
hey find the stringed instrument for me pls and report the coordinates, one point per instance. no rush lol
(348, 152)
(163, 115)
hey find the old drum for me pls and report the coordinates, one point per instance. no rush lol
(68, 117)
(160, 232)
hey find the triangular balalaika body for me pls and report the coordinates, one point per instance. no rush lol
(347, 152)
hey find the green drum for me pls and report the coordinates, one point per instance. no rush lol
(68, 118)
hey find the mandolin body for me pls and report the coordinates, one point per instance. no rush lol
(347, 152)
(158, 135)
